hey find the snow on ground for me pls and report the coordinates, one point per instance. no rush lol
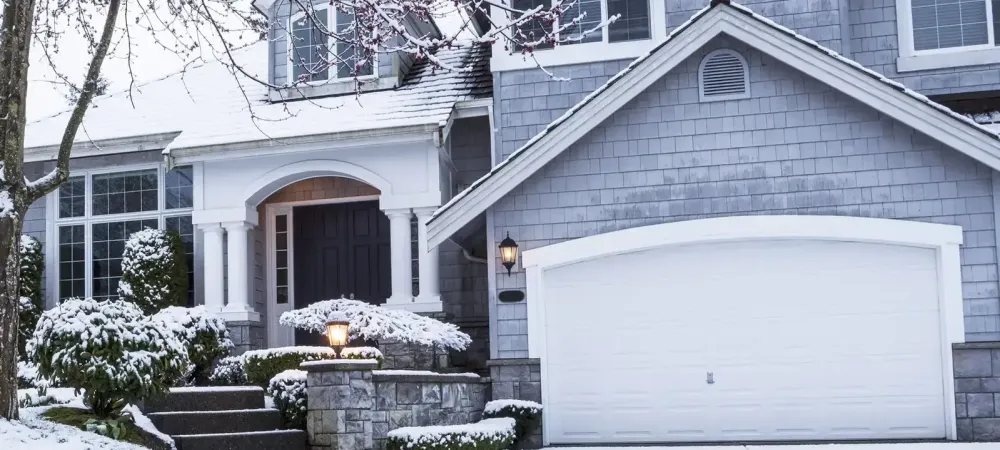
(143, 422)
(33, 432)
(904, 446)
(52, 396)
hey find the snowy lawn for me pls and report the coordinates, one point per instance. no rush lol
(906, 446)
(35, 431)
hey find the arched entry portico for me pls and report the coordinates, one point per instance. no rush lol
(227, 271)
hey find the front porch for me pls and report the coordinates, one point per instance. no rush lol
(279, 235)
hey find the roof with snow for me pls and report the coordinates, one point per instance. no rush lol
(719, 17)
(208, 105)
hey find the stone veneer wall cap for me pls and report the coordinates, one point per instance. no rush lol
(975, 345)
(420, 376)
(513, 362)
(339, 365)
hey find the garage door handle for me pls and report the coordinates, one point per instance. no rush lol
(710, 378)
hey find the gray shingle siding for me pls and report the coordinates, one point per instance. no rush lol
(875, 44)
(795, 147)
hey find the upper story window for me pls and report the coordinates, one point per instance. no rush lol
(947, 33)
(640, 22)
(316, 55)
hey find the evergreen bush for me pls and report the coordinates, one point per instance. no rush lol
(31, 304)
(206, 337)
(488, 434)
(526, 414)
(108, 349)
(229, 372)
(154, 270)
(288, 390)
(262, 365)
(363, 353)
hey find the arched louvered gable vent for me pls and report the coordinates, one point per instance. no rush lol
(723, 75)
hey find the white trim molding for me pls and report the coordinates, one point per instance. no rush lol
(944, 239)
(901, 105)
(282, 176)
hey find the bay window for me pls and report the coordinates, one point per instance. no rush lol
(96, 212)
(947, 33)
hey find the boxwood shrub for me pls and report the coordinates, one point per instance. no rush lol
(288, 390)
(262, 365)
(363, 353)
(526, 414)
(488, 434)
(229, 372)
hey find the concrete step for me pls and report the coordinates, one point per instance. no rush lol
(208, 399)
(208, 422)
(269, 440)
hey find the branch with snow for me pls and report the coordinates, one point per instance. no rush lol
(372, 322)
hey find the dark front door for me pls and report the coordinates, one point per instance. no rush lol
(341, 250)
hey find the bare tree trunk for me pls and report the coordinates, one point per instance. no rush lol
(10, 265)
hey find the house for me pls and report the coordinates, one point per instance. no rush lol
(772, 221)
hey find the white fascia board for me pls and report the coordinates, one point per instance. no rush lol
(296, 144)
(753, 31)
(82, 149)
(575, 127)
(473, 108)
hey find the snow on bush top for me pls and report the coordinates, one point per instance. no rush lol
(150, 272)
(189, 322)
(279, 351)
(106, 347)
(28, 244)
(372, 322)
(361, 353)
(498, 405)
(290, 376)
(489, 429)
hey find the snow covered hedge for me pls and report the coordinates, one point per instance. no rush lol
(154, 270)
(526, 414)
(363, 353)
(206, 337)
(229, 372)
(109, 349)
(31, 304)
(288, 390)
(488, 434)
(262, 365)
(373, 322)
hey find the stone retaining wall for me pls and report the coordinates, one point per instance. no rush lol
(977, 391)
(352, 406)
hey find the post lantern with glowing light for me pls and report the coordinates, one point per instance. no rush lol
(336, 333)
(508, 253)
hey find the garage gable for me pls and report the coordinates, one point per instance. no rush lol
(741, 24)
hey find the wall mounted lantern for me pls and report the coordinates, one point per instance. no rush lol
(336, 333)
(508, 253)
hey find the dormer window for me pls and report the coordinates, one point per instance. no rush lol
(315, 55)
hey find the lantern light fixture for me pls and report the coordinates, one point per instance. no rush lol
(336, 334)
(508, 253)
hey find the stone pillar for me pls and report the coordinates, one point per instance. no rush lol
(519, 379)
(400, 240)
(215, 286)
(238, 308)
(430, 290)
(341, 399)
(977, 390)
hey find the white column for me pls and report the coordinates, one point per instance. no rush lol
(400, 241)
(429, 262)
(215, 287)
(238, 308)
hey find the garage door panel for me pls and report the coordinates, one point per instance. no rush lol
(804, 339)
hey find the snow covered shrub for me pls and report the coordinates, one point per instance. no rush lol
(229, 372)
(288, 390)
(488, 434)
(154, 270)
(31, 303)
(363, 353)
(207, 337)
(373, 322)
(27, 377)
(526, 414)
(108, 349)
(262, 365)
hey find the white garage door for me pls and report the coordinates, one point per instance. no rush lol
(766, 340)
